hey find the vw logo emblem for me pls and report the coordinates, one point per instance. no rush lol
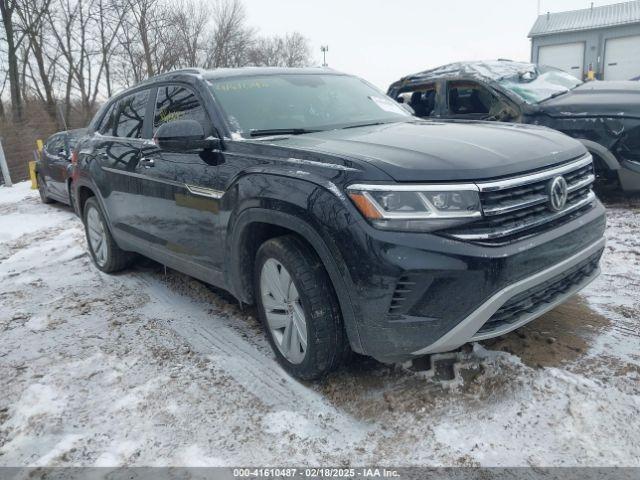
(557, 193)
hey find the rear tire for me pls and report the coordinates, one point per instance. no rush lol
(299, 309)
(105, 253)
(72, 196)
(42, 190)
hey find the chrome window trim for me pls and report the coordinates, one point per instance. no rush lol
(193, 189)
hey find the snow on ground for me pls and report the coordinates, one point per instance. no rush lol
(149, 367)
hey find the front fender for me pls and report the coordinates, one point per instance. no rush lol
(305, 208)
(603, 152)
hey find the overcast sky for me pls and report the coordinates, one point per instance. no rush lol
(383, 40)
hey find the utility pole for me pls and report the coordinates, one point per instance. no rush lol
(4, 167)
(539, 7)
(324, 49)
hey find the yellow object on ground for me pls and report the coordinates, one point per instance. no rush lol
(32, 175)
(40, 145)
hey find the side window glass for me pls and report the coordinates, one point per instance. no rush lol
(422, 99)
(50, 145)
(131, 112)
(61, 146)
(178, 103)
(470, 98)
(55, 145)
(107, 122)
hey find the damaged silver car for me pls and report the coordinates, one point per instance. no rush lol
(604, 116)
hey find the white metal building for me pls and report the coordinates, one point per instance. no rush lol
(606, 38)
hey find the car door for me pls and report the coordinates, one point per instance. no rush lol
(55, 161)
(180, 210)
(60, 167)
(117, 147)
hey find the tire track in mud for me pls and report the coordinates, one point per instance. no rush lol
(259, 374)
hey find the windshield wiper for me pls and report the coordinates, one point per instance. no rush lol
(280, 131)
(370, 124)
(554, 95)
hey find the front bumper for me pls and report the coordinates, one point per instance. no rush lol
(629, 175)
(472, 328)
(416, 294)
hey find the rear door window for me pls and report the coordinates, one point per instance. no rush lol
(55, 145)
(175, 102)
(422, 99)
(130, 117)
(108, 121)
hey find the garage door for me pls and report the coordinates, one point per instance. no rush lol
(622, 58)
(568, 57)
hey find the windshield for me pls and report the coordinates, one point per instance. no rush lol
(302, 102)
(539, 83)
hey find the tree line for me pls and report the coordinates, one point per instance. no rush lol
(67, 56)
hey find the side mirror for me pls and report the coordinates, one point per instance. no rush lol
(183, 136)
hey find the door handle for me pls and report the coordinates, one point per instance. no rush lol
(145, 162)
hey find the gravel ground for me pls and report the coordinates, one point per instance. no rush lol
(150, 367)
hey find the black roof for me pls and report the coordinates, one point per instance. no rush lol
(490, 70)
(239, 72)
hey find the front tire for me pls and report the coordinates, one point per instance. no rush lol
(298, 308)
(105, 253)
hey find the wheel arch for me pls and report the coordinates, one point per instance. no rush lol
(609, 159)
(256, 225)
(85, 189)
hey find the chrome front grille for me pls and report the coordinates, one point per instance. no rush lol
(517, 207)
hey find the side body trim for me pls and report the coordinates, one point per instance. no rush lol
(193, 189)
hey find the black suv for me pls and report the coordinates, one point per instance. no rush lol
(351, 224)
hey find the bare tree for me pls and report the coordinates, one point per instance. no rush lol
(231, 38)
(148, 38)
(7, 10)
(296, 51)
(4, 77)
(291, 50)
(78, 51)
(111, 14)
(191, 21)
(31, 19)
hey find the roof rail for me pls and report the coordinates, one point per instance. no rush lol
(181, 70)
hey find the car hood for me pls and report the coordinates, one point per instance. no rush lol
(444, 151)
(610, 99)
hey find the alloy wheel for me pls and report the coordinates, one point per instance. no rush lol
(283, 310)
(97, 236)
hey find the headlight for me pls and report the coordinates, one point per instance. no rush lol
(416, 207)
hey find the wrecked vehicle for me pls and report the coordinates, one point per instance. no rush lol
(348, 222)
(604, 116)
(54, 168)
